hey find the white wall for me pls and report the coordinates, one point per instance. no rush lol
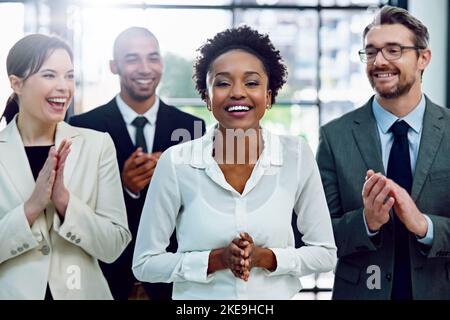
(434, 14)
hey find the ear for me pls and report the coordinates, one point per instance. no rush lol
(16, 84)
(208, 102)
(269, 97)
(424, 58)
(113, 66)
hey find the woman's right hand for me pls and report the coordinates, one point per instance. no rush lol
(42, 192)
(233, 257)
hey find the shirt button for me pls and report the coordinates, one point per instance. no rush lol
(72, 237)
(45, 250)
(13, 252)
(68, 234)
(26, 246)
(78, 241)
(20, 249)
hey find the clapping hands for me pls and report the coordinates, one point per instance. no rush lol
(380, 195)
(50, 184)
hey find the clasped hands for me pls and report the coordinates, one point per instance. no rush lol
(241, 255)
(50, 184)
(238, 256)
(380, 195)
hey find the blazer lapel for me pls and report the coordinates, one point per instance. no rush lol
(433, 131)
(15, 161)
(65, 131)
(365, 133)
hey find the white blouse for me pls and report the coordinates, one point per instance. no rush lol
(189, 191)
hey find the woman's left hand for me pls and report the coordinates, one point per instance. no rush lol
(60, 194)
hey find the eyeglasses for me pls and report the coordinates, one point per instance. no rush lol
(390, 52)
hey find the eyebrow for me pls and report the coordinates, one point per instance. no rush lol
(386, 44)
(247, 73)
(53, 71)
(134, 55)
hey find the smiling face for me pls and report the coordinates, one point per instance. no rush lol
(397, 78)
(238, 92)
(46, 95)
(139, 66)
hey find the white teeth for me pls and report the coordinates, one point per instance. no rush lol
(238, 108)
(384, 75)
(57, 100)
(140, 81)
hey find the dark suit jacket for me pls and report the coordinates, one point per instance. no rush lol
(348, 147)
(107, 118)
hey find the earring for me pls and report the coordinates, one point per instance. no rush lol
(268, 107)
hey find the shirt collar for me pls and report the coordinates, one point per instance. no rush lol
(201, 152)
(129, 114)
(385, 119)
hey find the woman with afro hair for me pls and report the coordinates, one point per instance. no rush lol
(230, 194)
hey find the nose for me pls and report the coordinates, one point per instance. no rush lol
(238, 91)
(63, 84)
(380, 60)
(145, 67)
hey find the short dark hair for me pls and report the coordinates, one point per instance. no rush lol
(246, 39)
(130, 33)
(26, 57)
(395, 15)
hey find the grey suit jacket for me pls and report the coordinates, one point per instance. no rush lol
(348, 147)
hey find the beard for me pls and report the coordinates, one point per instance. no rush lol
(138, 96)
(132, 92)
(400, 89)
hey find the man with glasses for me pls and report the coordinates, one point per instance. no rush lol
(385, 168)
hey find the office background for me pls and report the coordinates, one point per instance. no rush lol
(318, 39)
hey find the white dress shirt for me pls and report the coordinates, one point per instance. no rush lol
(129, 115)
(414, 119)
(189, 191)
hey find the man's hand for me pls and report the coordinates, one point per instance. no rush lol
(408, 213)
(376, 193)
(138, 170)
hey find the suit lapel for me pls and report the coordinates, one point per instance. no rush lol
(163, 131)
(365, 133)
(433, 131)
(117, 128)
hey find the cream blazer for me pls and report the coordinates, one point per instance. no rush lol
(63, 254)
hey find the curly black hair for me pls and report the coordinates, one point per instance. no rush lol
(249, 40)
